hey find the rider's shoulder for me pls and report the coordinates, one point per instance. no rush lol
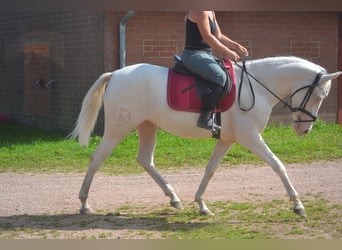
(197, 16)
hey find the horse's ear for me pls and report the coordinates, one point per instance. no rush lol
(331, 76)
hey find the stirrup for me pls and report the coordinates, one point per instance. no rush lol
(214, 127)
(210, 124)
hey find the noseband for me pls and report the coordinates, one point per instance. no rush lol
(302, 107)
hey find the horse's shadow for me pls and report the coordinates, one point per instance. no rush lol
(77, 222)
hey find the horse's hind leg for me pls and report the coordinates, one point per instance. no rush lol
(102, 152)
(147, 132)
(218, 154)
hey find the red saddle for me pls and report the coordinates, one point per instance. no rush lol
(181, 96)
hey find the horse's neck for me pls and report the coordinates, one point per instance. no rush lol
(279, 78)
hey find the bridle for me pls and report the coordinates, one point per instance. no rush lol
(302, 107)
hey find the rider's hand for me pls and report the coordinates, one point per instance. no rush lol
(232, 55)
(241, 51)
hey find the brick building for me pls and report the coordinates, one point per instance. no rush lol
(48, 60)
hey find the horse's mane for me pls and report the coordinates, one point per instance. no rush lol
(280, 60)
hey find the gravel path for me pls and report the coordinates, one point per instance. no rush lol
(35, 194)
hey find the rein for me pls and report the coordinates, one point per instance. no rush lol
(301, 108)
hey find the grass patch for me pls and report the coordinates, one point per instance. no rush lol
(260, 220)
(24, 148)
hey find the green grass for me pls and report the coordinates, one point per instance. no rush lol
(260, 220)
(24, 148)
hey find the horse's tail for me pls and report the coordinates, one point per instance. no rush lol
(91, 105)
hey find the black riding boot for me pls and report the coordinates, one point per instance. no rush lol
(210, 100)
(206, 121)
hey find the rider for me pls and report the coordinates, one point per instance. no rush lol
(203, 34)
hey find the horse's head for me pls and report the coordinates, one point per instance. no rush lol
(307, 99)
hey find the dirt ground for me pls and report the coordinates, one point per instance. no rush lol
(44, 193)
(41, 194)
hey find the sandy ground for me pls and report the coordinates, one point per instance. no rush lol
(35, 194)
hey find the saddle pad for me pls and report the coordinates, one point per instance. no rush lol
(188, 100)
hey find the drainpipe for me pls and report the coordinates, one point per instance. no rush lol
(123, 23)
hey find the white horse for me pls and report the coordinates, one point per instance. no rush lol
(135, 98)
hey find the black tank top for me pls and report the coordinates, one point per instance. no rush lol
(193, 38)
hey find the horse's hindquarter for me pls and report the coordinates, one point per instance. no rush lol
(133, 90)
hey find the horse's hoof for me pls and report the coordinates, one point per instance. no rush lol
(300, 212)
(206, 212)
(86, 210)
(177, 204)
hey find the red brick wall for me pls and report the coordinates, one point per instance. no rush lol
(154, 37)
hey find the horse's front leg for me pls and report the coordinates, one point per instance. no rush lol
(147, 139)
(218, 154)
(257, 145)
